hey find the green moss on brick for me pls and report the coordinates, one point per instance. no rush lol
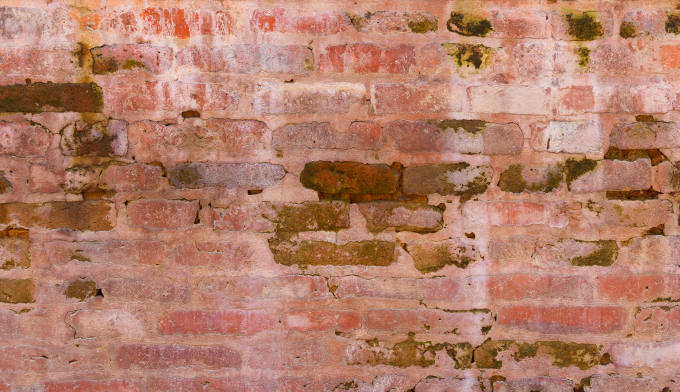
(583, 54)
(422, 25)
(584, 26)
(468, 55)
(512, 180)
(627, 29)
(468, 25)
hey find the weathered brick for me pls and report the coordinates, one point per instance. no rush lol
(229, 175)
(51, 97)
(17, 291)
(577, 137)
(162, 214)
(576, 99)
(434, 321)
(607, 382)
(516, 213)
(303, 253)
(191, 322)
(386, 21)
(645, 135)
(279, 20)
(361, 135)
(346, 178)
(78, 215)
(421, 97)
(416, 217)
(658, 320)
(529, 286)
(463, 136)
(248, 58)
(81, 289)
(510, 99)
(650, 355)
(243, 217)
(146, 290)
(307, 97)
(564, 319)
(113, 58)
(103, 138)
(610, 175)
(460, 179)
(226, 255)
(552, 384)
(14, 249)
(311, 216)
(519, 23)
(215, 138)
(35, 25)
(431, 257)
(113, 251)
(23, 139)
(367, 58)
(145, 356)
(287, 286)
(670, 56)
(320, 320)
(105, 323)
(444, 289)
(89, 386)
(131, 178)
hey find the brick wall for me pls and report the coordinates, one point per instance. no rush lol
(403, 195)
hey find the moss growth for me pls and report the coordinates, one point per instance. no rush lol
(583, 54)
(468, 55)
(584, 27)
(304, 253)
(132, 64)
(581, 387)
(582, 355)
(470, 126)
(627, 29)
(604, 255)
(485, 355)
(576, 168)
(342, 179)
(52, 97)
(512, 180)
(468, 25)
(432, 260)
(411, 352)
(81, 289)
(422, 25)
(5, 184)
(646, 194)
(654, 155)
(16, 291)
(672, 25)
(310, 216)
(525, 350)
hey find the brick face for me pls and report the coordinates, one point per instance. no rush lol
(339, 196)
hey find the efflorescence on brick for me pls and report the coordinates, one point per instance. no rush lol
(379, 196)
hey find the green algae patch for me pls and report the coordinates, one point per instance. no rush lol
(411, 352)
(576, 168)
(305, 253)
(468, 55)
(422, 25)
(627, 30)
(672, 25)
(471, 126)
(512, 180)
(468, 25)
(604, 255)
(583, 55)
(584, 26)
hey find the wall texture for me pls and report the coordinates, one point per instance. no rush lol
(402, 195)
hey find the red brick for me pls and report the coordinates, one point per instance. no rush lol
(321, 320)
(638, 288)
(146, 290)
(530, 286)
(564, 319)
(24, 358)
(132, 178)
(367, 58)
(90, 386)
(112, 58)
(576, 99)
(248, 58)
(171, 383)
(433, 321)
(193, 322)
(147, 356)
(227, 255)
(421, 97)
(519, 23)
(516, 213)
(162, 214)
(183, 23)
(670, 56)
(307, 97)
(280, 20)
(44, 180)
(360, 135)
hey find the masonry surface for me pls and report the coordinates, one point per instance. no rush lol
(402, 195)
